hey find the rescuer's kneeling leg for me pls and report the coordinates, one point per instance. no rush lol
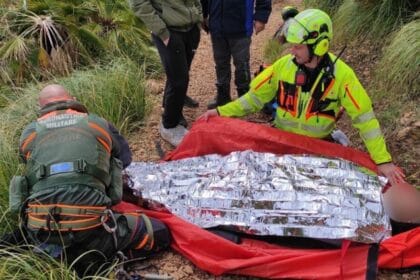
(148, 235)
(402, 203)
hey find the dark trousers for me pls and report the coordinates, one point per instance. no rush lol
(176, 59)
(94, 249)
(237, 48)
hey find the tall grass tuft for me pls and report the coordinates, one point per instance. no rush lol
(376, 18)
(27, 261)
(398, 71)
(328, 6)
(52, 38)
(16, 263)
(115, 92)
(13, 119)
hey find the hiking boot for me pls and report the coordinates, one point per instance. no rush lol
(222, 97)
(190, 103)
(173, 135)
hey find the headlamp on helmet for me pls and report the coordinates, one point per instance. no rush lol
(311, 27)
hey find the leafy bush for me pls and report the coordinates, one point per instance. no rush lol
(27, 262)
(13, 119)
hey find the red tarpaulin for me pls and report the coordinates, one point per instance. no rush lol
(258, 258)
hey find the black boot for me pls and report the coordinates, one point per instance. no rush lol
(190, 103)
(223, 97)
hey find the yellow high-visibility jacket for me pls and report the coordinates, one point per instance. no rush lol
(313, 113)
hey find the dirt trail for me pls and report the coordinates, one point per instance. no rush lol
(146, 142)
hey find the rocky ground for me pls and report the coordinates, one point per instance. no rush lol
(148, 146)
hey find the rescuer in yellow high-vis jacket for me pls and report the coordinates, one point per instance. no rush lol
(311, 85)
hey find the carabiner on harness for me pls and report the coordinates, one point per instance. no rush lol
(113, 229)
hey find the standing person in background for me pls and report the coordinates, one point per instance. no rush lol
(175, 31)
(311, 85)
(231, 24)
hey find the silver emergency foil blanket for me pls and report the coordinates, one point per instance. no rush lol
(266, 194)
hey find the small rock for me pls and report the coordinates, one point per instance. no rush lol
(188, 269)
(403, 133)
(408, 118)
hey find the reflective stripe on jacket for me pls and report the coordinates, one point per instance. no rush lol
(300, 113)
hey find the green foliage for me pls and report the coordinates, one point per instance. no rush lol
(29, 263)
(115, 92)
(13, 119)
(54, 37)
(398, 71)
(5, 94)
(25, 261)
(356, 19)
(328, 6)
(124, 33)
(18, 264)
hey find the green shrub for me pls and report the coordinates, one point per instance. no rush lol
(376, 18)
(399, 68)
(13, 119)
(328, 6)
(115, 92)
(273, 50)
(54, 37)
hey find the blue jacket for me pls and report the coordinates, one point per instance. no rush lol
(234, 18)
